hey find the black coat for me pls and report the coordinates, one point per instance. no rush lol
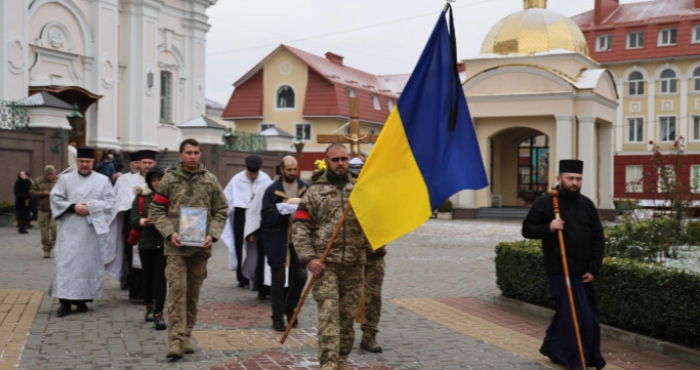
(275, 226)
(22, 187)
(583, 235)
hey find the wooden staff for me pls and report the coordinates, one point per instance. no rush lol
(554, 194)
(313, 278)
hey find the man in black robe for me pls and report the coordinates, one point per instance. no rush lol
(585, 246)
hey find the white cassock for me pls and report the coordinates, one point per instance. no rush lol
(242, 193)
(124, 197)
(80, 240)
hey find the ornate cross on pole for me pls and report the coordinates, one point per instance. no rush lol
(354, 139)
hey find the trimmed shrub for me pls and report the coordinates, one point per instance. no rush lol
(634, 296)
(445, 207)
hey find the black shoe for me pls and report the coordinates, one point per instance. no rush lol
(63, 309)
(124, 285)
(278, 325)
(82, 307)
(262, 297)
(30, 226)
(23, 231)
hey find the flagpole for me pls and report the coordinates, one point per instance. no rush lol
(313, 278)
(555, 202)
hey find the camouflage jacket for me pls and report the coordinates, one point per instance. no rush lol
(316, 218)
(179, 189)
(37, 192)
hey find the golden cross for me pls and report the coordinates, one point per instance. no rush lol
(354, 139)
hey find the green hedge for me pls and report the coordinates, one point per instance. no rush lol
(641, 298)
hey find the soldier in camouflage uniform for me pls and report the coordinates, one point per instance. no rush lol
(374, 279)
(41, 189)
(340, 280)
(188, 185)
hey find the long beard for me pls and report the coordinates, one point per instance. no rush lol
(570, 194)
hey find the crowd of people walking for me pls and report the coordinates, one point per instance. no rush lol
(152, 229)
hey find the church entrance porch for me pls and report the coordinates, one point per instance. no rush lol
(519, 166)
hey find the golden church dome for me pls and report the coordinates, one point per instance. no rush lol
(534, 29)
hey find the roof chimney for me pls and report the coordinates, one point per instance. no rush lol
(334, 58)
(603, 9)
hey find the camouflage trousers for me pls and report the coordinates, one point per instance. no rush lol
(337, 293)
(374, 278)
(185, 276)
(47, 225)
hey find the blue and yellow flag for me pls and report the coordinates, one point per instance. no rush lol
(426, 152)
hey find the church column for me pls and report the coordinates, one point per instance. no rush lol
(606, 157)
(140, 80)
(104, 122)
(564, 139)
(587, 150)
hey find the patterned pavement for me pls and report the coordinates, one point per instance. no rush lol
(439, 312)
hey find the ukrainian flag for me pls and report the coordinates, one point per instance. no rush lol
(426, 152)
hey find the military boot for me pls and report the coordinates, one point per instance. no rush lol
(369, 343)
(187, 347)
(342, 363)
(175, 350)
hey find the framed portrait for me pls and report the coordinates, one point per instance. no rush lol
(193, 226)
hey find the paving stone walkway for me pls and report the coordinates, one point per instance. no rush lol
(438, 313)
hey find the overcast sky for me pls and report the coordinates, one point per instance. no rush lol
(376, 36)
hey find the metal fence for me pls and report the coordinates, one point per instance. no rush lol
(247, 142)
(13, 116)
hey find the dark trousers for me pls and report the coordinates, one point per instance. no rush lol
(134, 277)
(238, 230)
(263, 290)
(561, 335)
(154, 284)
(22, 214)
(284, 301)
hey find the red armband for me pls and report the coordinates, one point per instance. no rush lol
(162, 200)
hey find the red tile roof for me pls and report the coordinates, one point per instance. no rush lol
(247, 99)
(326, 93)
(657, 11)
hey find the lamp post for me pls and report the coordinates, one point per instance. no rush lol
(76, 121)
(299, 146)
(230, 137)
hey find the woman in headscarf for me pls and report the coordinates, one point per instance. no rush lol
(22, 201)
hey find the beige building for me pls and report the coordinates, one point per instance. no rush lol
(536, 97)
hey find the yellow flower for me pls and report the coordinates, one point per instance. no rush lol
(320, 165)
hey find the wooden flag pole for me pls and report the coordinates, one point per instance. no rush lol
(313, 278)
(555, 202)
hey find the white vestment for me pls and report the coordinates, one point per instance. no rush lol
(80, 240)
(124, 197)
(243, 193)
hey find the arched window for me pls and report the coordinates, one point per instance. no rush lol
(285, 97)
(390, 104)
(375, 102)
(668, 82)
(636, 84)
(696, 79)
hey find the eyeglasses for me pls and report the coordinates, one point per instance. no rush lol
(339, 159)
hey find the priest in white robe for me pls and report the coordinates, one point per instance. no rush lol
(82, 202)
(241, 192)
(124, 194)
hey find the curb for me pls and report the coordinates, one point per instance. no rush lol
(652, 344)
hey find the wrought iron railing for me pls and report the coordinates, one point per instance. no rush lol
(240, 142)
(246, 142)
(13, 116)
